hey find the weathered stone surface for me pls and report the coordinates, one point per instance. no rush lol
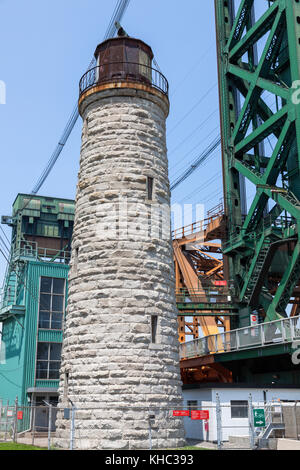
(121, 274)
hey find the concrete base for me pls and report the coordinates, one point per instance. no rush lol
(239, 442)
(288, 444)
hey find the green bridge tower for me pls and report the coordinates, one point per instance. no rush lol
(259, 79)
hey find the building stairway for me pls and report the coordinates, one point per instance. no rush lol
(255, 270)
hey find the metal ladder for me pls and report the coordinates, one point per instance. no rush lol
(258, 267)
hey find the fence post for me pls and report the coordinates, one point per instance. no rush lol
(151, 418)
(295, 420)
(6, 420)
(251, 423)
(15, 420)
(150, 435)
(1, 410)
(33, 423)
(219, 421)
(72, 426)
(49, 426)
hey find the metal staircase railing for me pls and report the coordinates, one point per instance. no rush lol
(274, 422)
(257, 270)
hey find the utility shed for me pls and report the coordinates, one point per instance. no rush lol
(234, 401)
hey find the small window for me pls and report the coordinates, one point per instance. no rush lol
(75, 262)
(239, 408)
(153, 328)
(150, 185)
(66, 384)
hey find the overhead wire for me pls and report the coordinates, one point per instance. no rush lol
(118, 12)
(4, 234)
(116, 17)
(4, 244)
(189, 153)
(192, 69)
(192, 109)
(204, 185)
(193, 132)
(4, 255)
(197, 162)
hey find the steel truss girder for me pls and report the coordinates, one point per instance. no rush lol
(247, 120)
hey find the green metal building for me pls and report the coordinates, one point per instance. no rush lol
(34, 298)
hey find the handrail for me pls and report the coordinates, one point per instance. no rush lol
(208, 290)
(281, 223)
(264, 334)
(123, 71)
(195, 227)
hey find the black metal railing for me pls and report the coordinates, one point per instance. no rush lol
(123, 72)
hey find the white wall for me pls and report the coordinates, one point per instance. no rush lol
(195, 428)
(206, 400)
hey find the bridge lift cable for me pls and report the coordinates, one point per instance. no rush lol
(197, 162)
(110, 32)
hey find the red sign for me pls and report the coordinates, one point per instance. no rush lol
(220, 283)
(20, 415)
(199, 414)
(181, 413)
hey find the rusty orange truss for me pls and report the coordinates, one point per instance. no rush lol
(198, 261)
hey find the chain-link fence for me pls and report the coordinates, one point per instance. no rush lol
(237, 425)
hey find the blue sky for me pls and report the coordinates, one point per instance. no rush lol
(46, 47)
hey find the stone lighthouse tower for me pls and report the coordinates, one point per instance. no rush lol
(120, 361)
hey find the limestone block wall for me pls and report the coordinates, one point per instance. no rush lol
(120, 353)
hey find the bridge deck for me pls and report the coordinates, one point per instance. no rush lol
(284, 333)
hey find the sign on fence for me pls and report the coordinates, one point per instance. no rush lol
(181, 413)
(259, 417)
(199, 414)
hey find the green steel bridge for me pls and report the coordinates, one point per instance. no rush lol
(258, 47)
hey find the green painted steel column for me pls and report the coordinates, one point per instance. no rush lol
(274, 173)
